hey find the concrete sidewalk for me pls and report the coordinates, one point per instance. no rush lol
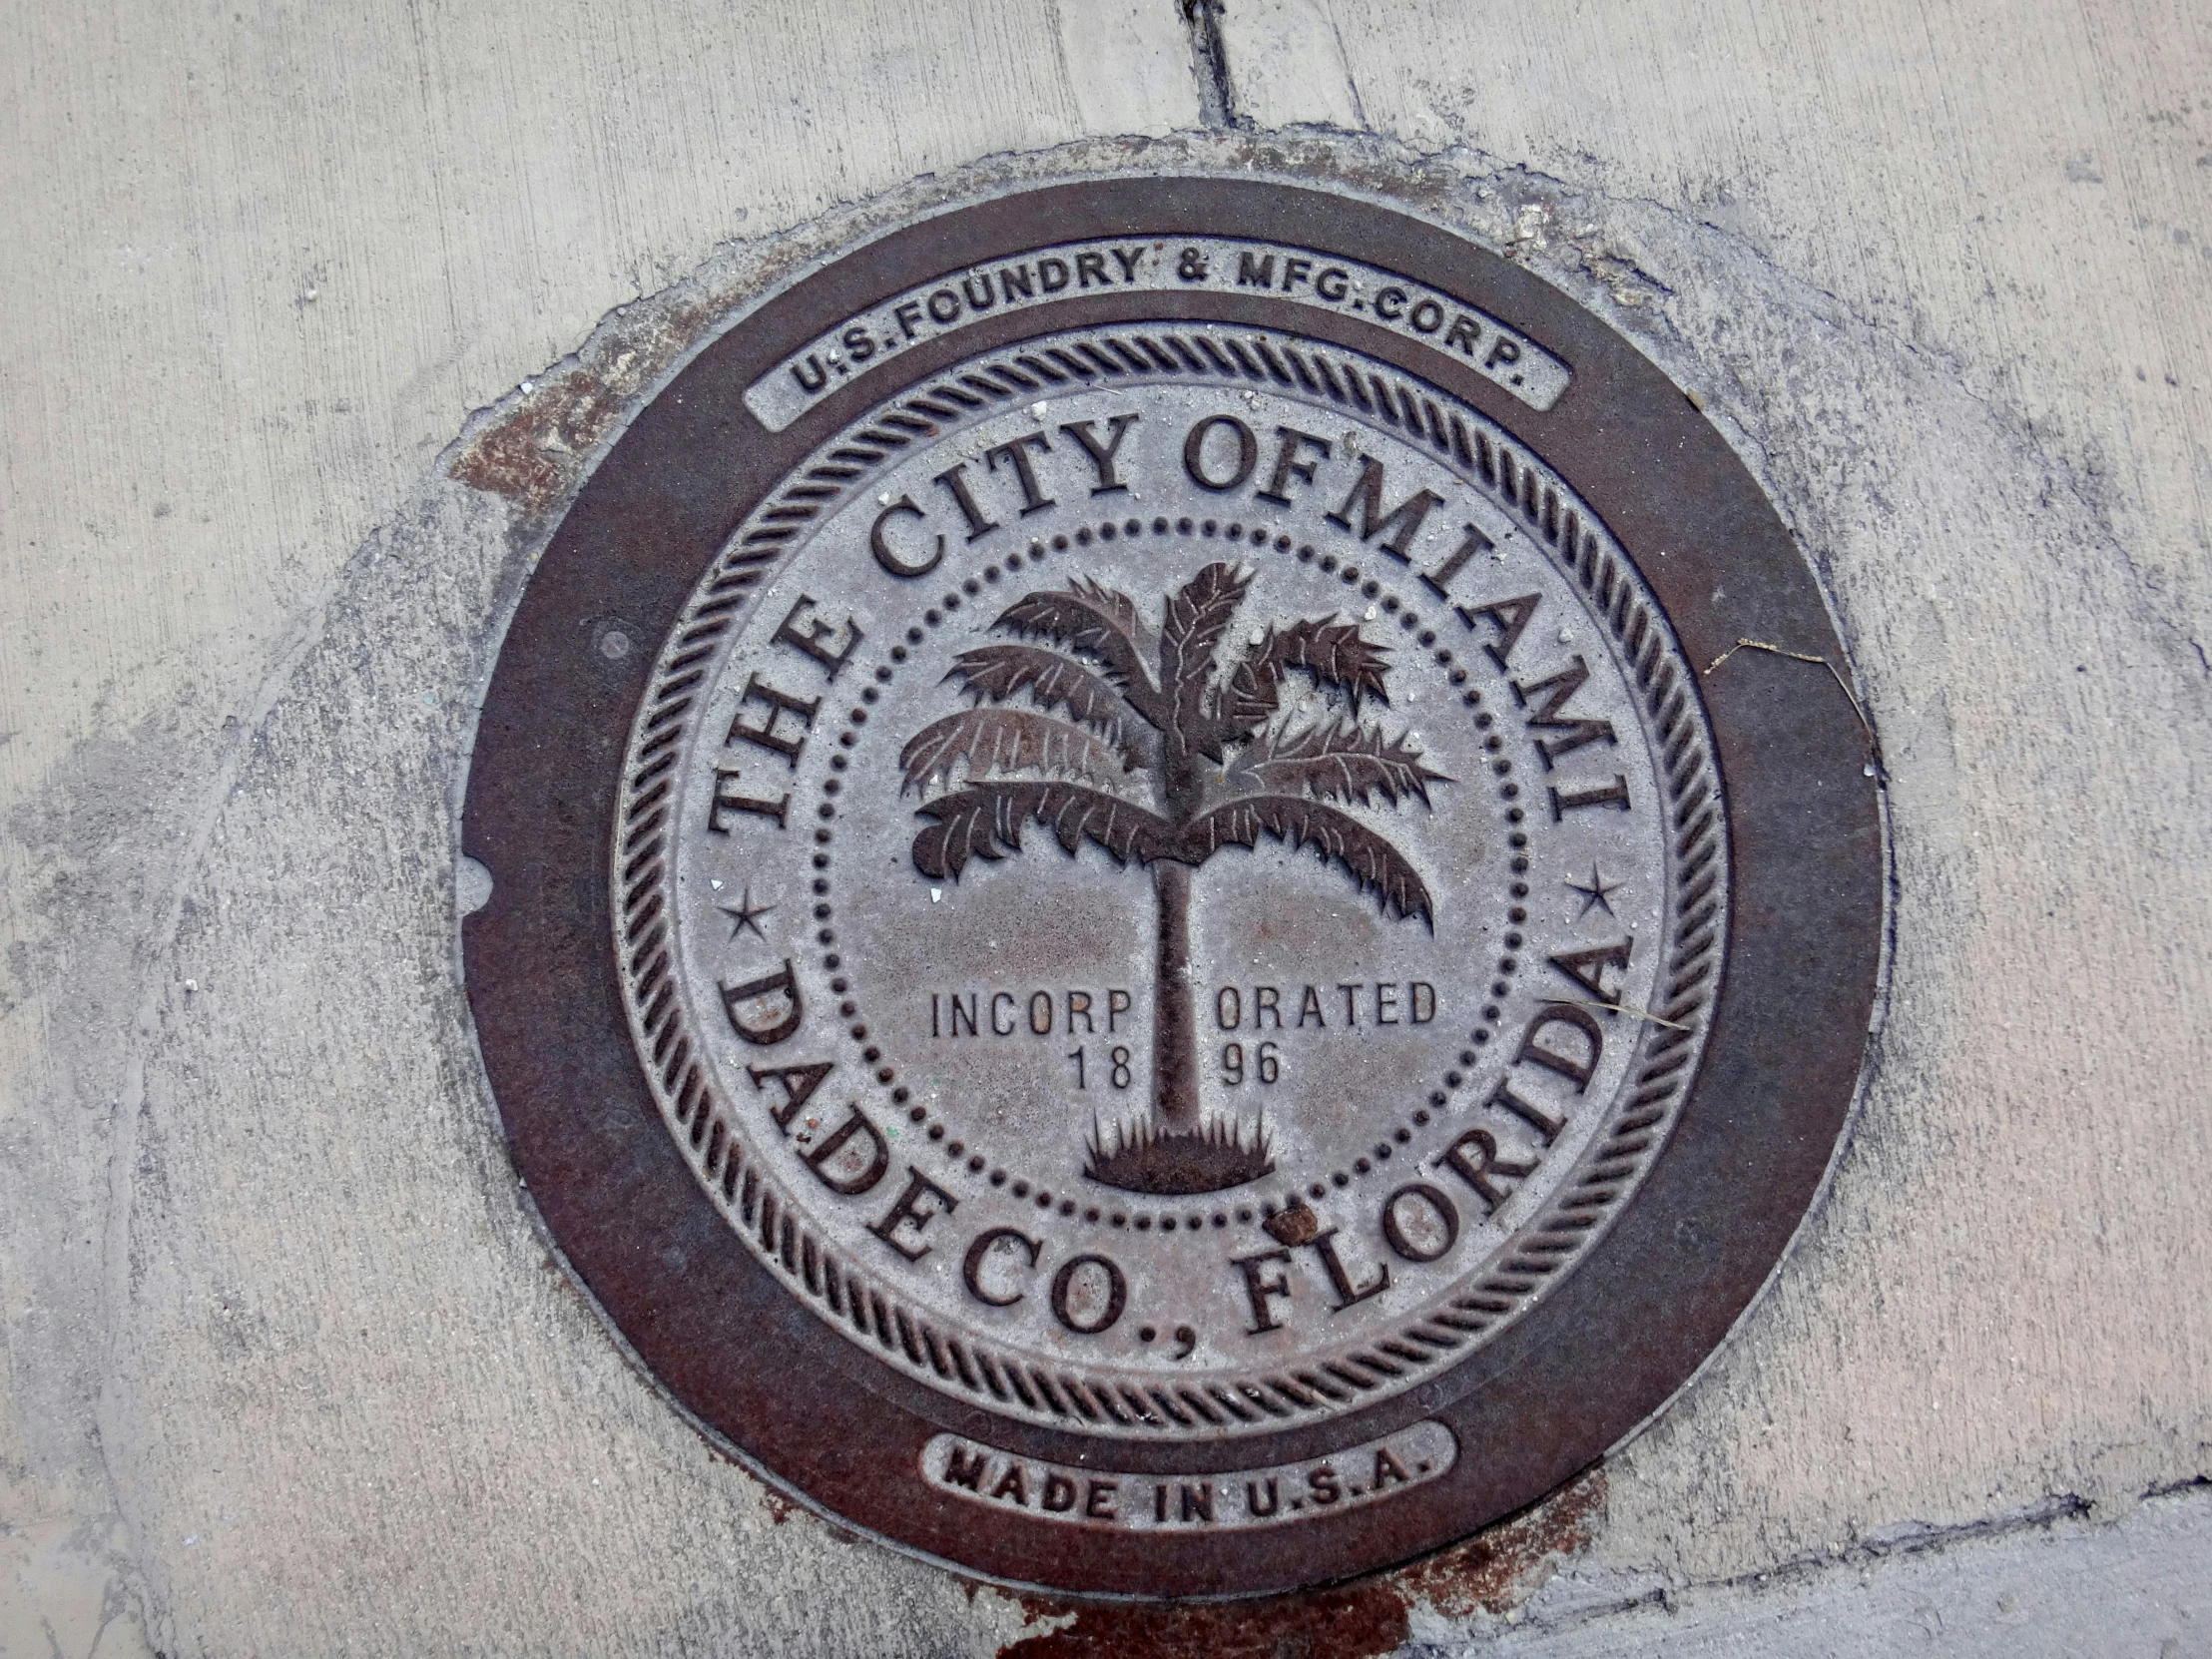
(288, 1365)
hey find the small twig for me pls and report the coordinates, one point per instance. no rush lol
(1841, 684)
(1625, 1008)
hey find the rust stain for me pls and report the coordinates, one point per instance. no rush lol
(536, 453)
(1500, 1570)
(1495, 1571)
(1357, 1622)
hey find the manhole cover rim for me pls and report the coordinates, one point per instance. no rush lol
(1819, 732)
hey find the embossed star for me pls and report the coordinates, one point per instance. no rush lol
(1596, 895)
(742, 915)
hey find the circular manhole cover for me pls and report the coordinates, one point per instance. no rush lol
(1126, 944)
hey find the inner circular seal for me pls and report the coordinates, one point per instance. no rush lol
(1169, 883)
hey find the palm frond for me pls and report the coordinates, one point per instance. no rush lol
(1337, 760)
(1373, 864)
(1100, 624)
(985, 820)
(1332, 652)
(1007, 740)
(997, 673)
(1197, 616)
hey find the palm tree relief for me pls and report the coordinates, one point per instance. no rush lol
(1201, 741)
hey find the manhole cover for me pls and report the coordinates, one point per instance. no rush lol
(1127, 944)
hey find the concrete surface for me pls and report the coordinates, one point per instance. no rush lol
(288, 1367)
(2003, 1591)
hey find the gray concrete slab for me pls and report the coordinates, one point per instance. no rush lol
(288, 1367)
(2008, 1589)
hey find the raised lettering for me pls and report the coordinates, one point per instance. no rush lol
(1402, 523)
(851, 1183)
(1614, 794)
(812, 643)
(978, 1254)
(1407, 1245)
(1510, 617)
(907, 1212)
(962, 1470)
(1550, 715)
(1016, 453)
(1065, 1288)
(1257, 1288)
(781, 983)
(1102, 454)
(1194, 453)
(953, 480)
(1502, 1098)
(1574, 1071)
(1476, 1172)
(1288, 466)
(881, 548)
(727, 800)
(799, 1083)
(1588, 967)
(1439, 579)
(1324, 1245)
(779, 704)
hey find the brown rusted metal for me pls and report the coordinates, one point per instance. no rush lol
(1540, 1399)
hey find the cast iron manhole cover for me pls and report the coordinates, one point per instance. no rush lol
(1159, 974)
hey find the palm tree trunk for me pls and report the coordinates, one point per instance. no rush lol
(1174, 1032)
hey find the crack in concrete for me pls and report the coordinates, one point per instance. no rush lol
(1217, 86)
